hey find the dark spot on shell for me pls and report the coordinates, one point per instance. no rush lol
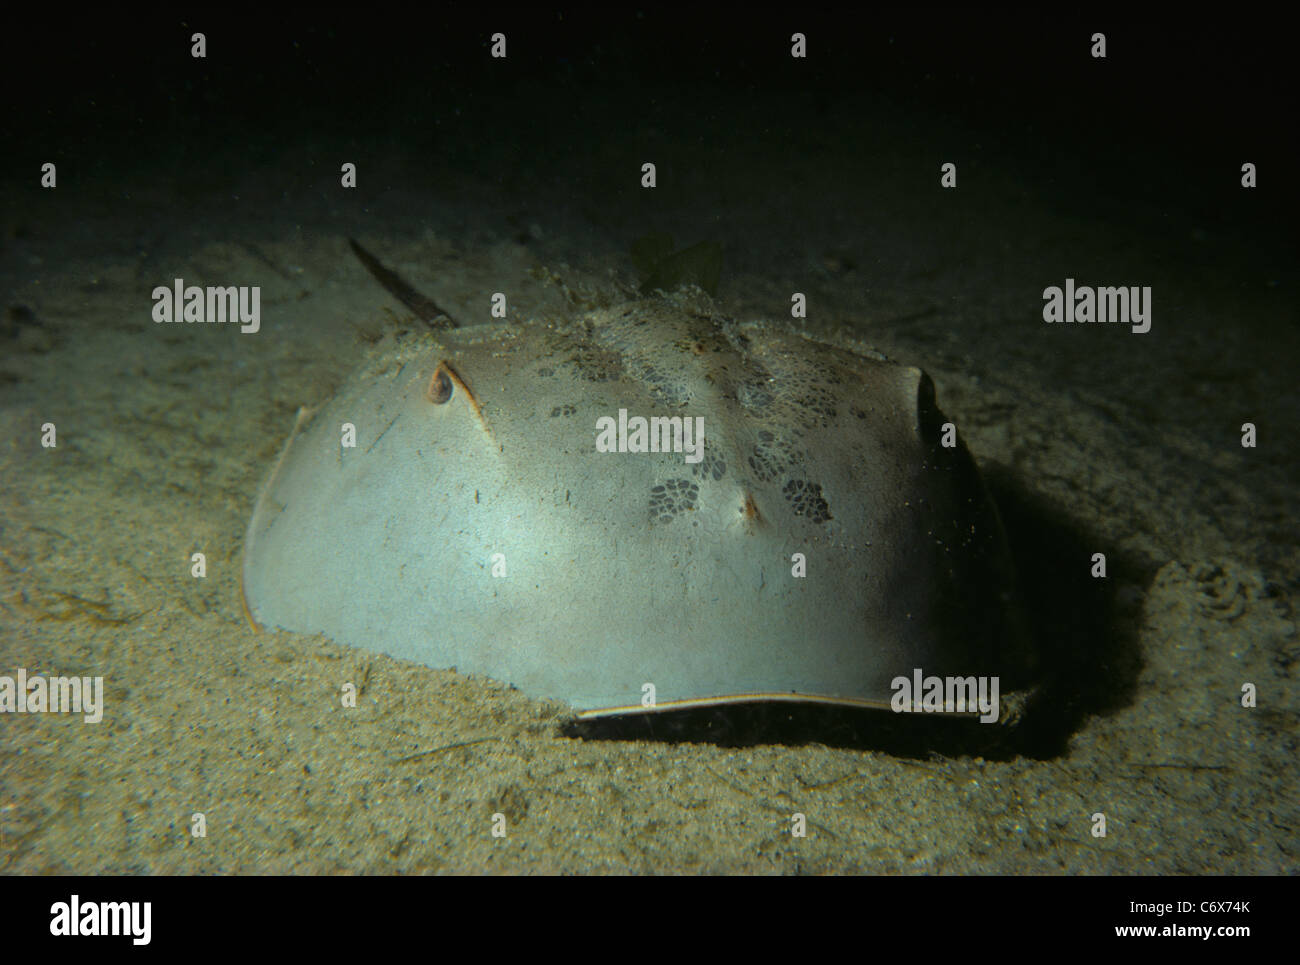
(806, 500)
(673, 497)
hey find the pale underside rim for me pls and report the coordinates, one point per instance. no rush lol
(723, 700)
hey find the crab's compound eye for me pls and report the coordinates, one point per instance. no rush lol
(440, 387)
